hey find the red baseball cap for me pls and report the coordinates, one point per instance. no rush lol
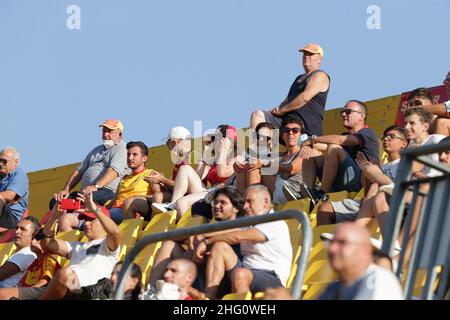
(228, 131)
(91, 215)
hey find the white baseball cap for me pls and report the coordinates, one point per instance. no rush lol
(179, 133)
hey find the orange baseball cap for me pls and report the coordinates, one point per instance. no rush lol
(313, 48)
(112, 124)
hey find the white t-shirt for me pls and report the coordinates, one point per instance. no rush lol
(275, 254)
(92, 261)
(432, 139)
(390, 169)
(376, 283)
(23, 259)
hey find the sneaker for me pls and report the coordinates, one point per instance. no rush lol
(162, 207)
(290, 194)
(316, 194)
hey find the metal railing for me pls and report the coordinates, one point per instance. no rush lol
(179, 234)
(430, 247)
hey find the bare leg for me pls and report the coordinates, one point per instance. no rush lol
(7, 293)
(269, 182)
(241, 181)
(183, 204)
(68, 222)
(381, 209)
(335, 155)
(241, 280)
(187, 181)
(366, 213)
(222, 258)
(253, 177)
(325, 214)
(64, 279)
(256, 118)
(310, 166)
(135, 204)
(169, 249)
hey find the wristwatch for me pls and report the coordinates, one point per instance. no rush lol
(313, 140)
(97, 186)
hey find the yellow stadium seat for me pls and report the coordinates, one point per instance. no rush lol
(238, 296)
(130, 231)
(318, 252)
(300, 205)
(420, 280)
(6, 250)
(190, 221)
(317, 231)
(314, 291)
(161, 222)
(359, 195)
(258, 296)
(319, 271)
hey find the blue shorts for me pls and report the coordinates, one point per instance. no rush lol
(262, 279)
(348, 176)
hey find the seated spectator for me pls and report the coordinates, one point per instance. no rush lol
(90, 261)
(189, 187)
(133, 283)
(101, 170)
(394, 140)
(15, 267)
(134, 186)
(266, 250)
(13, 189)
(227, 204)
(286, 183)
(179, 143)
(249, 172)
(179, 276)
(306, 98)
(340, 171)
(444, 157)
(350, 255)
(36, 277)
(422, 98)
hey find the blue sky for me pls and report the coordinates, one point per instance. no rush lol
(155, 64)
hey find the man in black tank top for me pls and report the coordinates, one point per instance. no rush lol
(306, 98)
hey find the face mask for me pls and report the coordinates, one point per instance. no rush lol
(108, 143)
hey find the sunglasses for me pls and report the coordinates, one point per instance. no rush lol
(391, 136)
(4, 161)
(348, 111)
(293, 130)
(262, 138)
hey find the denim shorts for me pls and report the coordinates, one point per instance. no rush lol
(348, 176)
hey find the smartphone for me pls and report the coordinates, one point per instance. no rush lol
(70, 204)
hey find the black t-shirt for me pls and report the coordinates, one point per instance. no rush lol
(312, 112)
(368, 144)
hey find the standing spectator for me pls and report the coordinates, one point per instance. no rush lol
(340, 171)
(102, 169)
(13, 270)
(13, 188)
(306, 98)
(350, 254)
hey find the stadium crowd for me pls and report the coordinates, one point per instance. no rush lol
(232, 179)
